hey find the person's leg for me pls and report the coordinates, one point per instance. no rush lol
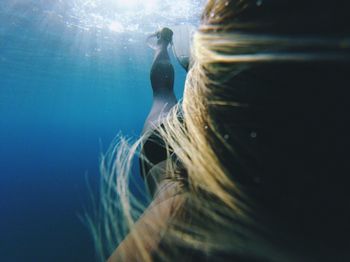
(162, 80)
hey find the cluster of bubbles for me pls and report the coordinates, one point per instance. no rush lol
(120, 16)
(95, 26)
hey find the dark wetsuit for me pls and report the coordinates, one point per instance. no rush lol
(154, 152)
(154, 160)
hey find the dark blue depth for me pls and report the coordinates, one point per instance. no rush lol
(61, 104)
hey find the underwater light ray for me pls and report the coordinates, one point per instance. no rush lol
(92, 29)
(149, 13)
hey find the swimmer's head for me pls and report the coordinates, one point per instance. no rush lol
(165, 34)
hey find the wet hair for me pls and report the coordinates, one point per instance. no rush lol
(166, 34)
(263, 110)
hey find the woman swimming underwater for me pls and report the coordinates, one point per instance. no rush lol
(252, 166)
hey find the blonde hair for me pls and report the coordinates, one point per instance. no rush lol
(219, 216)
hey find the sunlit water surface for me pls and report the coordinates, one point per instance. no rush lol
(72, 75)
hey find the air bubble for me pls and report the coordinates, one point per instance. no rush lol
(259, 2)
(253, 134)
(226, 137)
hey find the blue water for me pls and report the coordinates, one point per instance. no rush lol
(68, 84)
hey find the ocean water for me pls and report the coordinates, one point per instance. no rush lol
(73, 74)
